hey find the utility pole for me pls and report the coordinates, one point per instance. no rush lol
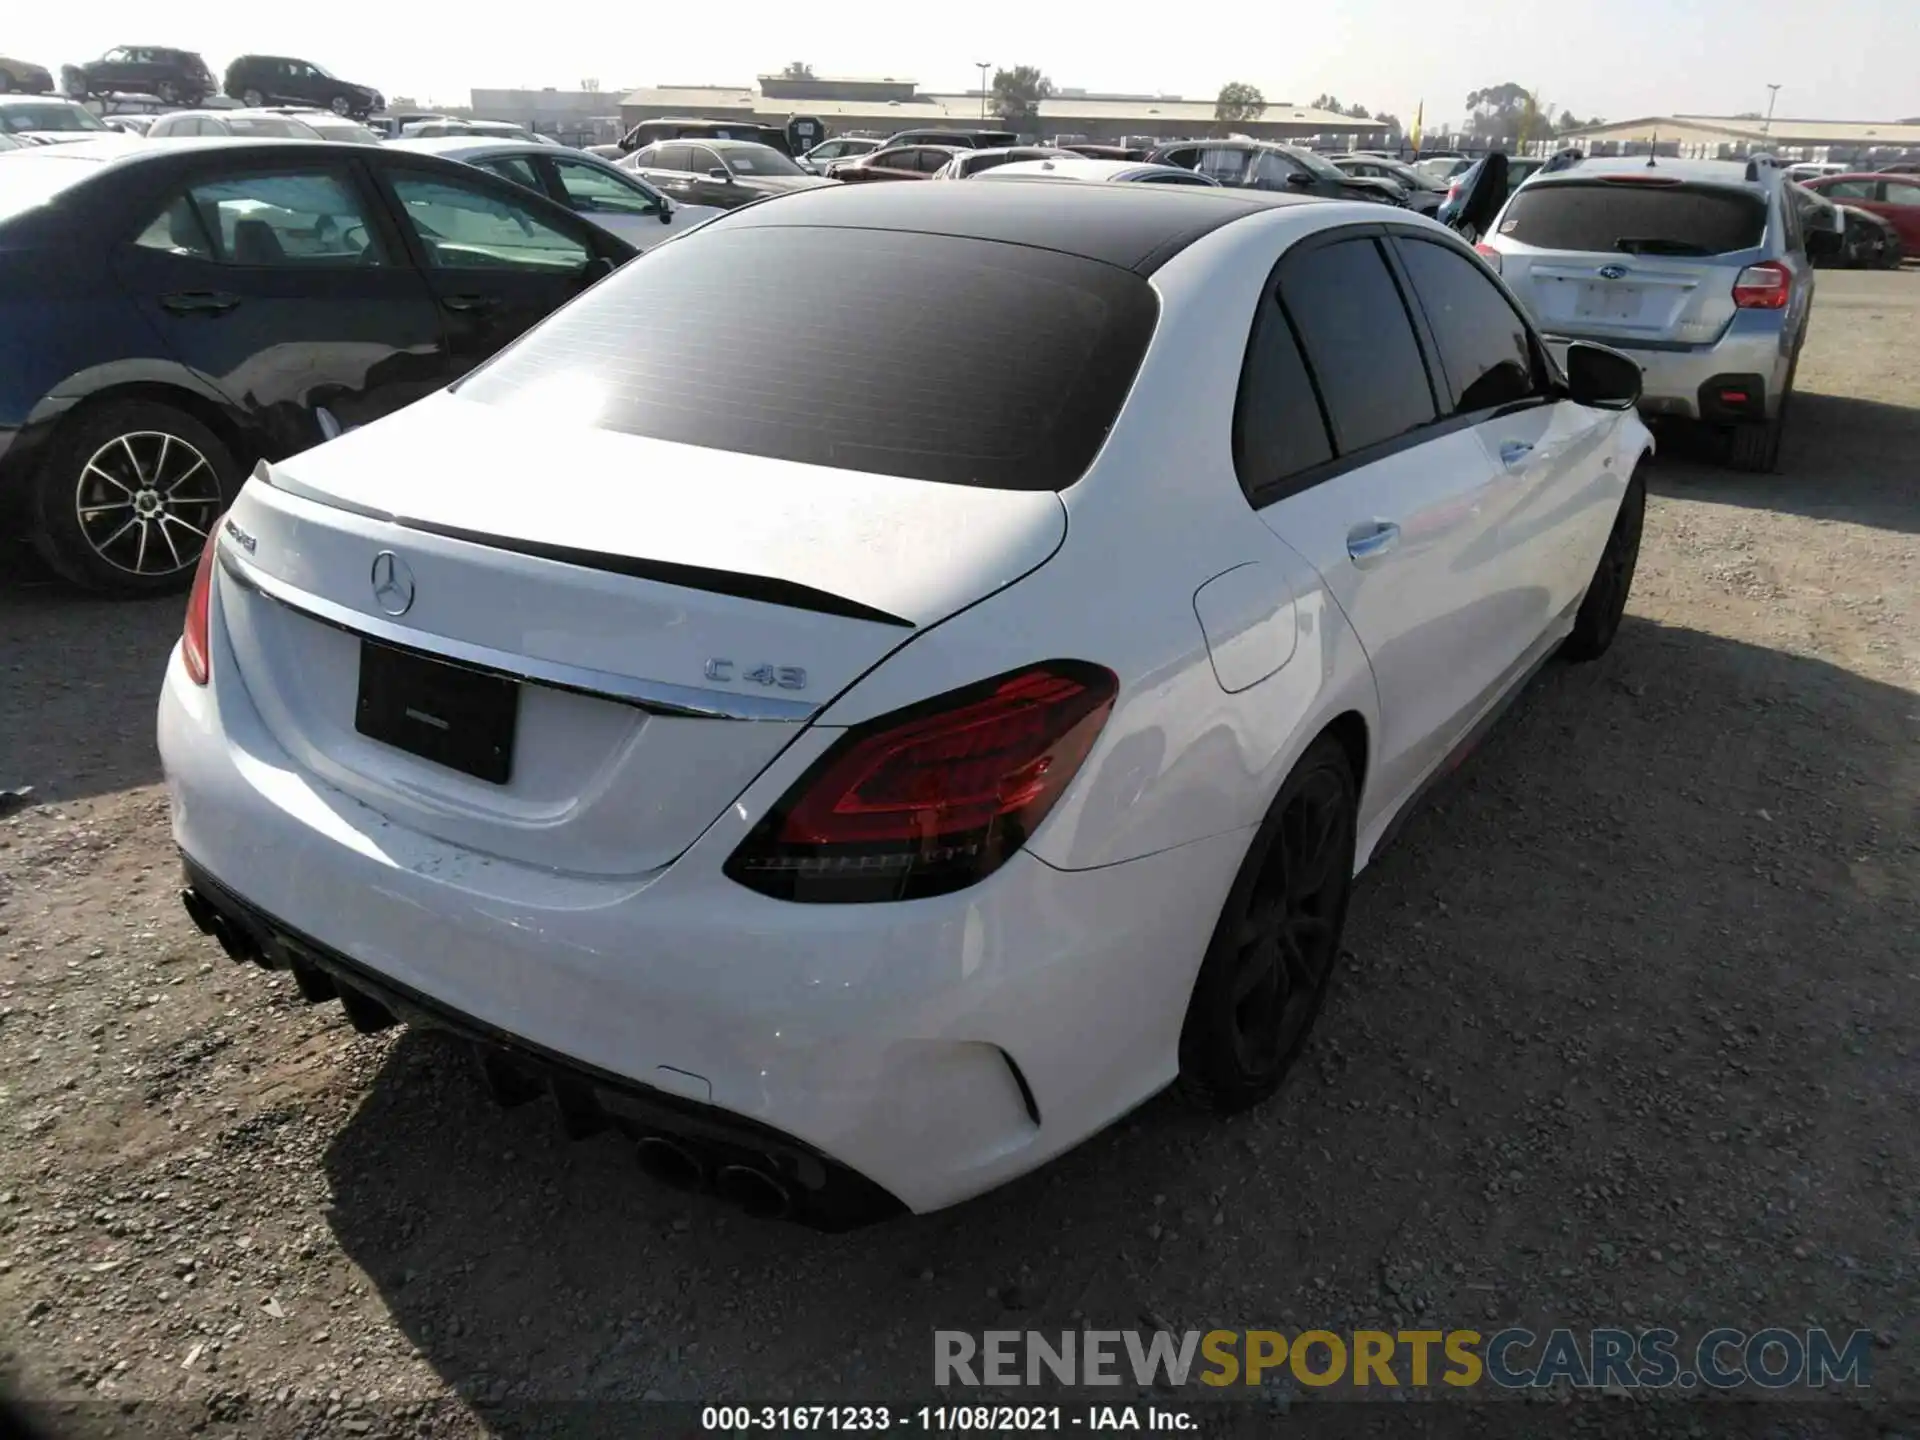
(1773, 94)
(983, 66)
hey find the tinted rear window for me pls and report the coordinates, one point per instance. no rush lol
(966, 362)
(1687, 219)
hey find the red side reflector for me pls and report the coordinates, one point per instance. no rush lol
(1734, 397)
(194, 642)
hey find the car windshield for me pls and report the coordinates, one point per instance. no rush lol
(270, 127)
(321, 71)
(1325, 169)
(33, 177)
(844, 348)
(49, 115)
(345, 134)
(758, 160)
(1602, 216)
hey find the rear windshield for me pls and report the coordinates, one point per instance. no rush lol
(1670, 220)
(965, 362)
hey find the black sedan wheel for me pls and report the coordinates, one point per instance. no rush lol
(1267, 969)
(129, 499)
(252, 99)
(340, 105)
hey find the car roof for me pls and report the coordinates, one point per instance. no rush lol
(1134, 227)
(461, 147)
(1731, 173)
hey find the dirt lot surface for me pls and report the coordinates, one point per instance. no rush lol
(1630, 1034)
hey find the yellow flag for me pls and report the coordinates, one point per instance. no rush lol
(1419, 113)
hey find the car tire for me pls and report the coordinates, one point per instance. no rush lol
(1598, 619)
(340, 105)
(1270, 962)
(252, 99)
(167, 92)
(91, 484)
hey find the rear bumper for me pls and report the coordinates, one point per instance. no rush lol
(1675, 379)
(930, 1049)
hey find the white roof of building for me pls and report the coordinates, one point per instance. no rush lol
(1781, 131)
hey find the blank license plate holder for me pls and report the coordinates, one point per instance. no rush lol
(451, 714)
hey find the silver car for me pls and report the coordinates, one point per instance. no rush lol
(1698, 269)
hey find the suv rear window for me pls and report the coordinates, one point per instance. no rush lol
(1598, 216)
(966, 362)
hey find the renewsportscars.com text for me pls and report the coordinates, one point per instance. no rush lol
(1513, 1359)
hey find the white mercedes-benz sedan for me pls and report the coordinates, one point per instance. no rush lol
(870, 693)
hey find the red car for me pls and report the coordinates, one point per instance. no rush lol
(1895, 198)
(901, 162)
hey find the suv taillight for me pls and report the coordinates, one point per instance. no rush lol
(932, 798)
(1490, 255)
(1764, 286)
(193, 635)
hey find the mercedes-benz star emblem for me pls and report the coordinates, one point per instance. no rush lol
(392, 583)
(1612, 272)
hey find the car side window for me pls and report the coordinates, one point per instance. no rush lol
(702, 161)
(1484, 346)
(1271, 170)
(1359, 342)
(1229, 167)
(1900, 193)
(1278, 428)
(672, 157)
(1849, 190)
(516, 168)
(467, 228)
(591, 190)
(294, 220)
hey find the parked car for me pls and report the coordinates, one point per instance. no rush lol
(490, 129)
(48, 120)
(329, 126)
(1268, 165)
(130, 124)
(178, 77)
(843, 147)
(1813, 169)
(1900, 167)
(1424, 193)
(1135, 153)
(390, 125)
(965, 164)
(652, 132)
(1870, 241)
(178, 312)
(23, 77)
(1442, 167)
(962, 139)
(614, 199)
(896, 162)
(983, 873)
(1894, 198)
(719, 173)
(1110, 172)
(252, 124)
(1698, 269)
(256, 80)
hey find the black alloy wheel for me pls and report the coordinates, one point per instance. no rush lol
(1267, 970)
(1598, 620)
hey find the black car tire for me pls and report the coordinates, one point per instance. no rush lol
(57, 531)
(340, 105)
(168, 92)
(1598, 619)
(252, 99)
(1258, 994)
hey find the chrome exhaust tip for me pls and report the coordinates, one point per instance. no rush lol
(671, 1163)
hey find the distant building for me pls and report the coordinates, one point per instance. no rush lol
(1733, 136)
(882, 106)
(575, 116)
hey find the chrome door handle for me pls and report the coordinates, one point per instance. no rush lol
(1514, 452)
(1372, 540)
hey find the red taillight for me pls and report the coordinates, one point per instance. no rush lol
(193, 636)
(931, 798)
(1763, 287)
(1490, 255)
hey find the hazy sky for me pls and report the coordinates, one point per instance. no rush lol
(1841, 59)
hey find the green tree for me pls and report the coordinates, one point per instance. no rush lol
(1324, 101)
(1017, 94)
(1237, 102)
(1359, 111)
(1497, 112)
(797, 70)
(1392, 122)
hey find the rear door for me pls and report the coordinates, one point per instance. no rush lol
(1630, 260)
(284, 286)
(1551, 500)
(1396, 506)
(495, 259)
(603, 196)
(1899, 203)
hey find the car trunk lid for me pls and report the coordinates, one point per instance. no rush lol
(638, 626)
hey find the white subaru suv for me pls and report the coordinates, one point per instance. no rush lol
(1698, 269)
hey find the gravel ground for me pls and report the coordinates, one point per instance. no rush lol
(1630, 1034)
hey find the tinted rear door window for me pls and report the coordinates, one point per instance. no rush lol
(1483, 343)
(846, 348)
(1598, 216)
(1278, 430)
(1359, 341)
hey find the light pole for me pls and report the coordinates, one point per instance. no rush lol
(983, 66)
(1773, 94)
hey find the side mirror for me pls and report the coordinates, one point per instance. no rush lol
(1825, 244)
(666, 211)
(597, 269)
(720, 172)
(1300, 180)
(1602, 377)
